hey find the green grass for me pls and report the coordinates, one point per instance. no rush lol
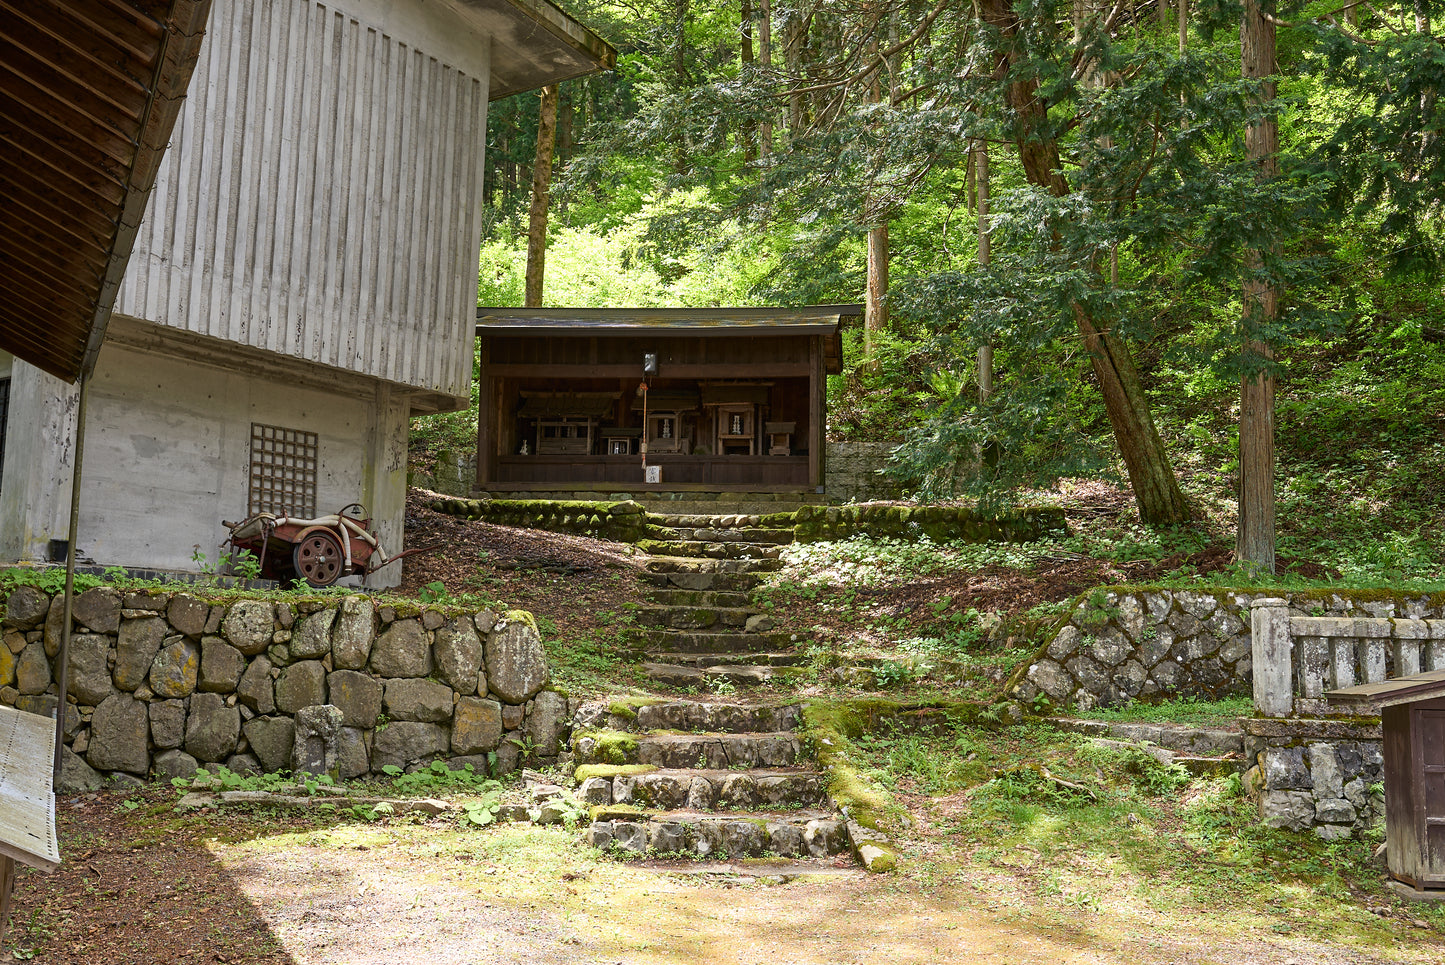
(1182, 711)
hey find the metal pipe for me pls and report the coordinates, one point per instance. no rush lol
(64, 655)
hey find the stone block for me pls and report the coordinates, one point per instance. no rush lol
(353, 634)
(89, 668)
(317, 743)
(1327, 779)
(97, 609)
(402, 650)
(1052, 679)
(175, 763)
(403, 742)
(1335, 811)
(176, 668)
(311, 635)
(168, 723)
(301, 685)
(1284, 769)
(76, 776)
(26, 607)
(546, 723)
(271, 740)
(458, 653)
(256, 689)
(32, 670)
(516, 662)
(358, 696)
(187, 615)
(248, 625)
(1292, 810)
(353, 757)
(1064, 643)
(476, 726)
(221, 666)
(408, 698)
(212, 728)
(136, 646)
(119, 733)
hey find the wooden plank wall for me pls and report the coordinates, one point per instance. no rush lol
(322, 192)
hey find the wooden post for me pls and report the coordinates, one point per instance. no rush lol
(817, 385)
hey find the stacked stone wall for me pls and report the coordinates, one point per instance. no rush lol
(1121, 644)
(1324, 776)
(853, 472)
(163, 682)
(621, 520)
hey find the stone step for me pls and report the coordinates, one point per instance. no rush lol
(694, 617)
(703, 521)
(715, 750)
(662, 563)
(695, 715)
(709, 790)
(786, 658)
(679, 675)
(692, 582)
(1199, 766)
(695, 641)
(717, 550)
(759, 537)
(701, 598)
(1182, 739)
(690, 833)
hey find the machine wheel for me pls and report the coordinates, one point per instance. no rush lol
(318, 559)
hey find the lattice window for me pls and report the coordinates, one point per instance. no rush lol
(283, 471)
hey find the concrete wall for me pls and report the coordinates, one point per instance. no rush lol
(167, 458)
(322, 192)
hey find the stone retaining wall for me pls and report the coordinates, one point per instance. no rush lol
(1319, 775)
(622, 520)
(161, 682)
(1122, 644)
(851, 472)
(938, 523)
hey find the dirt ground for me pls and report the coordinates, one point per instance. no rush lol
(143, 885)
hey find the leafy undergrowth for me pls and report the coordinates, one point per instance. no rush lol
(1033, 816)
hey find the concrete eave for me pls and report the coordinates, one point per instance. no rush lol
(535, 44)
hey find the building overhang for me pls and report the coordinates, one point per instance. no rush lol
(91, 92)
(535, 44)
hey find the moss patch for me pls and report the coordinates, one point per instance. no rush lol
(613, 746)
(609, 771)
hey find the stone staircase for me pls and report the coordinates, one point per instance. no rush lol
(703, 780)
(699, 627)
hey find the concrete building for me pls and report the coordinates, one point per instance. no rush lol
(303, 283)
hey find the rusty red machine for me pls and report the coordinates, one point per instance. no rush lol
(319, 551)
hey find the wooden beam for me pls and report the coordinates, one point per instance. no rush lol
(741, 370)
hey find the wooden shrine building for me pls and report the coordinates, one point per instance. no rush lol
(725, 399)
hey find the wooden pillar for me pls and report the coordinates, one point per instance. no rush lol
(817, 386)
(486, 442)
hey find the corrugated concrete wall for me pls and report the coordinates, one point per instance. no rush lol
(321, 195)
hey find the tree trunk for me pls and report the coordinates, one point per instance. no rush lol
(748, 133)
(875, 314)
(679, 78)
(541, 188)
(1150, 474)
(1164, 11)
(1256, 540)
(985, 256)
(1183, 26)
(765, 60)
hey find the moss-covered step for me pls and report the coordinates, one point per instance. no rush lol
(693, 641)
(701, 598)
(654, 713)
(694, 564)
(712, 521)
(770, 537)
(693, 617)
(784, 658)
(715, 550)
(704, 789)
(701, 580)
(702, 835)
(779, 749)
(685, 676)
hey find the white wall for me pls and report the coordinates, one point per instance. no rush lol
(167, 457)
(39, 458)
(321, 195)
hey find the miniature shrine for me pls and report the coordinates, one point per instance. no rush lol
(726, 399)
